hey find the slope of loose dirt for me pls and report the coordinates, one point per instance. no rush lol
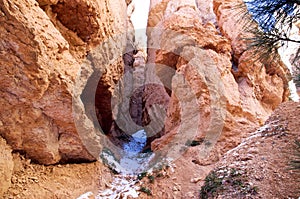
(60, 181)
(260, 166)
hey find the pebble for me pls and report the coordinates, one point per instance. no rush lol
(247, 157)
(107, 185)
(175, 188)
(190, 195)
(195, 180)
(33, 178)
(257, 177)
(15, 192)
(253, 150)
(14, 180)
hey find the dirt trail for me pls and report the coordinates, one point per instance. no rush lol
(60, 181)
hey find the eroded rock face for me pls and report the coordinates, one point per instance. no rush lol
(61, 63)
(45, 68)
(233, 94)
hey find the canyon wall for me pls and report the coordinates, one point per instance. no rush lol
(219, 92)
(61, 61)
(55, 55)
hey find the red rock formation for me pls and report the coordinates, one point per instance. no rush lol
(44, 69)
(60, 59)
(229, 102)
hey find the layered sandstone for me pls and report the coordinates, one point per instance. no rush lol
(218, 92)
(53, 54)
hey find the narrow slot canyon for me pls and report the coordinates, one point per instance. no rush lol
(143, 99)
(125, 100)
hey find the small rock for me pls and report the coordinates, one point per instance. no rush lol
(195, 180)
(175, 188)
(247, 157)
(33, 178)
(257, 177)
(253, 150)
(14, 179)
(190, 195)
(15, 192)
(107, 185)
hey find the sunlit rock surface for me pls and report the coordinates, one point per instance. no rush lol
(45, 68)
(205, 49)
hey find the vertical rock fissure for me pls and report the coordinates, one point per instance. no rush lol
(129, 116)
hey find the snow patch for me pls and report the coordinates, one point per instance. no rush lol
(121, 187)
(255, 134)
(286, 53)
(133, 161)
(86, 195)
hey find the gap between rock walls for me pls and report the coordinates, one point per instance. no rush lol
(134, 146)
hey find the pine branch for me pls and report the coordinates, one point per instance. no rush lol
(270, 22)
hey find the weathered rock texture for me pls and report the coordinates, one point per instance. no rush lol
(6, 166)
(45, 67)
(233, 94)
(61, 61)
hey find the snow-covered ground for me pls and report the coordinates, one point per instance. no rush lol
(121, 187)
(132, 160)
(286, 53)
(131, 163)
